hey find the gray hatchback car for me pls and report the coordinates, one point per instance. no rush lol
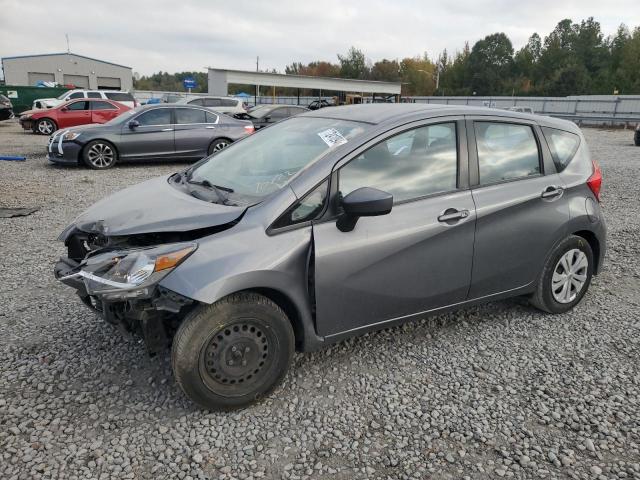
(334, 223)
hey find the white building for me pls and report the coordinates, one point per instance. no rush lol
(67, 69)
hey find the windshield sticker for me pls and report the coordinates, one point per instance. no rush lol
(332, 137)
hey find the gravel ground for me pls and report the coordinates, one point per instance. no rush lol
(500, 390)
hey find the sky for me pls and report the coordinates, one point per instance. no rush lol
(190, 35)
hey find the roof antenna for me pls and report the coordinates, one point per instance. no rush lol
(68, 49)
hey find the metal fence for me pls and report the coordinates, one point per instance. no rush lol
(587, 109)
(582, 109)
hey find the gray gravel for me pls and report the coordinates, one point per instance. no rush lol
(495, 391)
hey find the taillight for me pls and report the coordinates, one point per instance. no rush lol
(595, 180)
(249, 129)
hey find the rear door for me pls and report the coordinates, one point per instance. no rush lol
(74, 113)
(102, 112)
(413, 260)
(519, 197)
(193, 131)
(152, 138)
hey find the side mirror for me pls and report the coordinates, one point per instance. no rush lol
(64, 109)
(133, 124)
(363, 202)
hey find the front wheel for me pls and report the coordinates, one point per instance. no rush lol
(233, 352)
(217, 145)
(566, 276)
(45, 126)
(99, 155)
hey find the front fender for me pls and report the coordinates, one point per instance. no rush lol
(246, 258)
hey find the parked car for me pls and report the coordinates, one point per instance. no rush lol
(636, 137)
(148, 132)
(264, 115)
(317, 104)
(71, 114)
(6, 108)
(521, 109)
(334, 223)
(227, 105)
(173, 97)
(124, 98)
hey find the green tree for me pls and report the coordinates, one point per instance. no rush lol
(353, 64)
(491, 63)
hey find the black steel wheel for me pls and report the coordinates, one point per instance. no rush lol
(233, 352)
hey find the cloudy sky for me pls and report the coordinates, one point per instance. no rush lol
(192, 34)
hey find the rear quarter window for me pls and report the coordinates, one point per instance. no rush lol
(563, 146)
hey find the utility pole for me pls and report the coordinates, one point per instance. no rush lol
(255, 96)
(68, 48)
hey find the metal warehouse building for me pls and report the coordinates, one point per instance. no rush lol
(67, 69)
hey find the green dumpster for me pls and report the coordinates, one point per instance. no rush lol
(22, 97)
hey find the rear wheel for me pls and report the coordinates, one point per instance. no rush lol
(233, 352)
(217, 145)
(637, 139)
(45, 126)
(566, 276)
(99, 155)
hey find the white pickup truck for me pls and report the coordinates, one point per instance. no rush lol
(117, 96)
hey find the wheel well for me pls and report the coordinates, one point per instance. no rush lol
(220, 138)
(289, 308)
(594, 244)
(44, 118)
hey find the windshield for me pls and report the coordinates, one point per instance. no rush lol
(261, 111)
(62, 95)
(123, 117)
(267, 161)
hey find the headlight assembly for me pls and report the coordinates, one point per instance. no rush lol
(71, 135)
(118, 275)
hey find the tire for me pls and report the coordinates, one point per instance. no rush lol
(217, 145)
(551, 295)
(99, 155)
(45, 126)
(637, 140)
(233, 352)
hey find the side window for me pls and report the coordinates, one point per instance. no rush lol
(78, 106)
(187, 116)
(227, 102)
(563, 146)
(412, 164)
(212, 102)
(159, 116)
(102, 106)
(94, 95)
(212, 117)
(506, 151)
(75, 95)
(306, 209)
(280, 113)
(197, 101)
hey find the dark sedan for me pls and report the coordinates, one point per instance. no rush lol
(6, 108)
(148, 132)
(265, 115)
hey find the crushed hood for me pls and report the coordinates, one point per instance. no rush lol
(153, 206)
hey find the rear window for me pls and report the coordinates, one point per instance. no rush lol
(119, 96)
(94, 95)
(563, 146)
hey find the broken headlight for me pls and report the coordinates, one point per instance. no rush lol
(119, 275)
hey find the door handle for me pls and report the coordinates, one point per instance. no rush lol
(451, 214)
(167, 130)
(210, 128)
(552, 192)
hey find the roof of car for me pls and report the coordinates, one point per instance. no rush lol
(390, 112)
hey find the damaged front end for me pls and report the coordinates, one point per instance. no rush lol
(119, 277)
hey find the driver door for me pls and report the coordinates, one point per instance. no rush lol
(413, 259)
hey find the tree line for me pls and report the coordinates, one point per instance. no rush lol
(573, 59)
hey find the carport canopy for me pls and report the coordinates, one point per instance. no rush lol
(219, 80)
